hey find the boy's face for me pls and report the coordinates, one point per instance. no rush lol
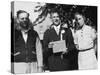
(55, 19)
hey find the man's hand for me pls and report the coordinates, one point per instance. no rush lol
(40, 69)
(16, 53)
(65, 51)
(77, 46)
(33, 52)
(50, 45)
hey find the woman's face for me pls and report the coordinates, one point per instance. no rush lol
(79, 19)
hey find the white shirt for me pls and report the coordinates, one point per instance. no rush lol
(84, 38)
(57, 29)
(25, 35)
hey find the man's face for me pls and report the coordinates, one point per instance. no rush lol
(80, 20)
(24, 20)
(55, 19)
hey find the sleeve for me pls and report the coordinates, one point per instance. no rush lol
(14, 40)
(70, 40)
(39, 52)
(94, 38)
(45, 41)
(93, 33)
(46, 51)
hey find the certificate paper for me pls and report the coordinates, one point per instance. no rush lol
(59, 46)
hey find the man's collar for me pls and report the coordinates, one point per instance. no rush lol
(24, 31)
(57, 26)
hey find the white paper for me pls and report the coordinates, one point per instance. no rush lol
(59, 46)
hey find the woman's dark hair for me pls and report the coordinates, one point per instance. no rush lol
(82, 14)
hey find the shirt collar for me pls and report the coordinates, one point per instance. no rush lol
(24, 31)
(83, 27)
(57, 27)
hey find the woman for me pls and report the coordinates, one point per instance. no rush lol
(84, 40)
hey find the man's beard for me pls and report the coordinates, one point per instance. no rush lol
(24, 25)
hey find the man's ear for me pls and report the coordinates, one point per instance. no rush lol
(50, 17)
(28, 14)
(17, 20)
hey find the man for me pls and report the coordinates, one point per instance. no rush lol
(27, 48)
(62, 60)
(84, 39)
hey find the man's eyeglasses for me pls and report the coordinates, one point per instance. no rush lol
(24, 18)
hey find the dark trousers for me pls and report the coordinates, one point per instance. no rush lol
(56, 63)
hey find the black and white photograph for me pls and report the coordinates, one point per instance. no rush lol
(53, 37)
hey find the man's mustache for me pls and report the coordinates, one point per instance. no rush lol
(24, 24)
(56, 20)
